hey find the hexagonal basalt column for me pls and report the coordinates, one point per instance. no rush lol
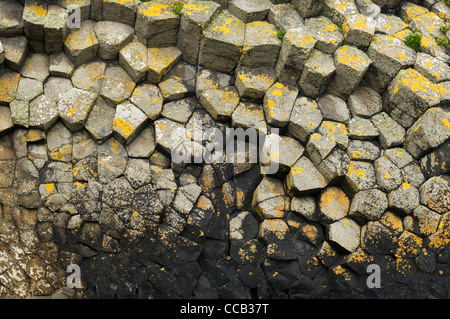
(74, 107)
(249, 10)
(156, 24)
(128, 122)
(220, 47)
(123, 11)
(194, 17)
(261, 45)
(296, 48)
(351, 65)
(110, 43)
(82, 45)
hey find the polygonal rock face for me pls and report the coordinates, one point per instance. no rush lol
(128, 121)
(368, 204)
(221, 43)
(111, 43)
(304, 178)
(117, 85)
(345, 233)
(74, 107)
(81, 45)
(148, 98)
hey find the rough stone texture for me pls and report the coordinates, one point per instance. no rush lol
(221, 44)
(156, 24)
(194, 17)
(133, 59)
(117, 85)
(81, 45)
(278, 103)
(248, 11)
(74, 107)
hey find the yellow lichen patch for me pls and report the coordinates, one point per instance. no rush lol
(446, 123)
(353, 169)
(37, 9)
(122, 125)
(392, 221)
(334, 202)
(297, 170)
(8, 86)
(406, 185)
(50, 188)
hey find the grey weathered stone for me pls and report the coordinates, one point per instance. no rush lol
(252, 83)
(74, 107)
(195, 16)
(179, 82)
(435, 194)
(351, 66)
(317, 72)
(338, 11)
(120, 11)
(89, 76)
(404, 199)
(248, 11)
(112, 160)
(305, 118)
(34, 13)
(333, 108)
(60, 65)
(432, 68)
(391, 133)
(110, 43)
(284, 17)
(358, 30)
(56, 87)
(345, 233)
(368, 205)
(220, 102)
(326, 33)
(249, 115)
(367, 151)
(5, 119)
(117, 85)
(55, 29)
(156, 24)
(12, 24)
(180, 110)
(360, 176)
(261, 45)
(297, 46)
(221, 44)
(361, 129)
(319, 147)
(409, 96)
(99, 122)
(36, 66)
(43, 113)
(298, 184)
(335, 166)
(286, 152)
(308, 8)
(148, 98)
(128, 121)
(15, 51)
(169, 134)
(388, 175)
(28, 89)
(144, 144)
(305, 206)
(133, 59)
(390, 54)
(137, 172)
(429, 132)
(278, 103)
(19, 112)
(335, 131)
(81, 45)
(364, 102)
